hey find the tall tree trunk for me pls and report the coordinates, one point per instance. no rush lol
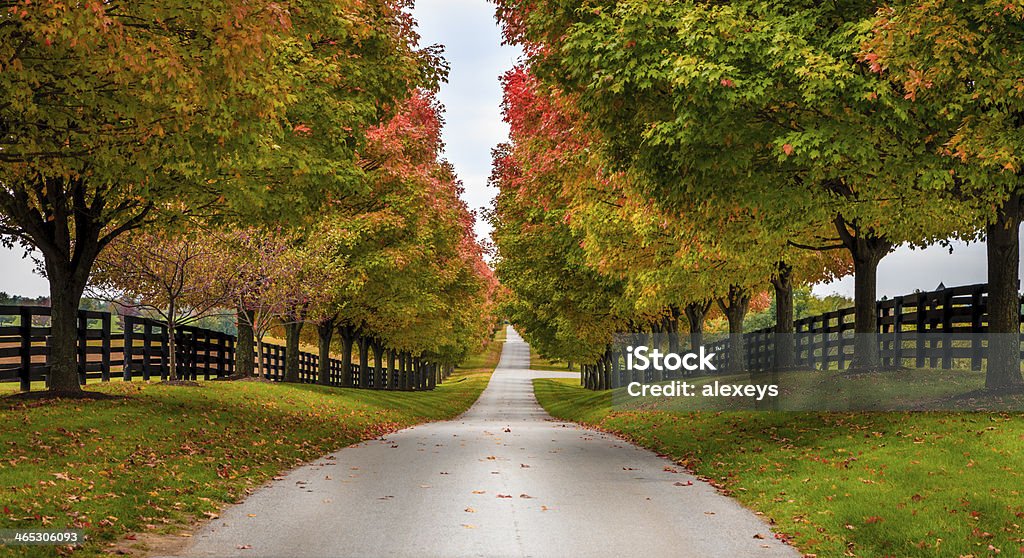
(695, 314)
(325, 331)
(292, 331)
(1003, 246)
(364, 362)
(65, 295)
(378, 364)
(244, 344)
(782, 280)
(613, 372)
(867, 250)
(260, 361)
(403, 371)
(735, 306)
(656, 330)
(172, 343)
(389, 380)
(348, 337)
(65, 221)
(672, 328)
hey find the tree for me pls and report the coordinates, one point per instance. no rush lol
(120, 114)
(177, 276)
(959, 65)
(266, 282)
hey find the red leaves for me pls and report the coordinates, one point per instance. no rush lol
(787, 149)
(302, 130)
(725, 82)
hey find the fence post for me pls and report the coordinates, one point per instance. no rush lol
(165, 352)
(947, 326)
(83, 345)
(977, 310)
(25, 327)
(922, 325)
(105, 347)
(897, 335)
(129, 333)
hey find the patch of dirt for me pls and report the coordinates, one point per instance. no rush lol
(254, 379)
(188, 383)
(48, 395)
(150, 544)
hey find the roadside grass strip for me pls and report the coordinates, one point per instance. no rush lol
(841, 483)
(161, 457)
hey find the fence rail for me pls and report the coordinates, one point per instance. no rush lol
(946, 328)
(140, 351)
(938, 329)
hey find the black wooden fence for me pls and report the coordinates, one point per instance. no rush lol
(140, 351)
(946, 328)
(939, 329)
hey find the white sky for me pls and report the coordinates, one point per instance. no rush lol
(473, 126)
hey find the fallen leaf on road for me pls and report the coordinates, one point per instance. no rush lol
(327, 477)
(758, 536)
(504, 495)
(687, 483)
(524, 465)
(468, 526)
(479, 492)
(424, 486)
(709, 513)
(252, 515)
(629, 469)
(508, 430)
(544, 508)
(525, 496)
(244, 546)
(668, 469)
(470, 510)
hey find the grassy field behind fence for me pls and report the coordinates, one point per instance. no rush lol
(164, 456)
(843, 484)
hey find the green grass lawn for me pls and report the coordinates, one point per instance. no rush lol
(895, 484)
(165, 456)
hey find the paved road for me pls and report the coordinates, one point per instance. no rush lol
(505, 479)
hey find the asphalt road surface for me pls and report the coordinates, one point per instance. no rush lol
(505, 479)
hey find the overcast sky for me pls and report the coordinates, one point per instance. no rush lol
(473, 126)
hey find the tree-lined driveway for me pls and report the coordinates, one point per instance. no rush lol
(505, 479)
